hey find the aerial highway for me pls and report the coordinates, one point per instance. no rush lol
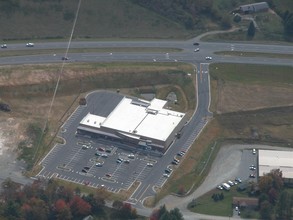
(186, 54)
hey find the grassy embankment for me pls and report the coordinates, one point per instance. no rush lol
(255, 54)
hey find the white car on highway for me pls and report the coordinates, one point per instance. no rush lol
(209, 58)
(30, 45)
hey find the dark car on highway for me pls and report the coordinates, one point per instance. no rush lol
(195, 44)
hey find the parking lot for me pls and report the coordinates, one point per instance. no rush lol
(97, 163)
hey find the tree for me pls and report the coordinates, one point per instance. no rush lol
(251, 30)
(273, 195)
(162, 211)
(284, 205)
(266, 210)
(176, 214)
(277, 177)
(265, 183)
(35, 209)
(62, 210)
(181, 190)
(127, 212)
(117, 204)
(79, 207)
(287, 17)
(11, 210)
(95, 201)
(237, 18)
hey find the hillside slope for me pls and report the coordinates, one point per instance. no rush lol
(45, 19)
(32, 19)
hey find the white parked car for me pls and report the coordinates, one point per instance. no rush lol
(166, 175)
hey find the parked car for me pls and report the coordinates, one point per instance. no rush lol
(30, 45)
(166, 175)
(99, 164)
(181, 153)
(252, 175)
(252, 167)
(84, 146)
(175, 162)
(101, 149)
(150, 164)
(98, 154)
(253, 151)
(119, 160)
(231, 183)
(238, 180)
(104, 155)
(168, 170)
(131, 156)
(220, 187)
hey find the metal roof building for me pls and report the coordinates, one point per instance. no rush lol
(253, 8)
(141, 122)
(273, 159)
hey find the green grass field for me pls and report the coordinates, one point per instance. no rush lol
(256, 74)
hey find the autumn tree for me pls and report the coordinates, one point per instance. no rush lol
(265, 183)
(79, 207)
(35, 209)
(62, 210)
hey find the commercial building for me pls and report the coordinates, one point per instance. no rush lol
(272, 159)
(141, 123)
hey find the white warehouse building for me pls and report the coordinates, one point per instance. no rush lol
(138, 122)
(273, 159)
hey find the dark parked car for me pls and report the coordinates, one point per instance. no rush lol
(4, 107)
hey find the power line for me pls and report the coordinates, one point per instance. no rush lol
(58, 80)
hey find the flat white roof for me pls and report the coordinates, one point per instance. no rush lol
(148, 120)
(272, 159)
(92, 120)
